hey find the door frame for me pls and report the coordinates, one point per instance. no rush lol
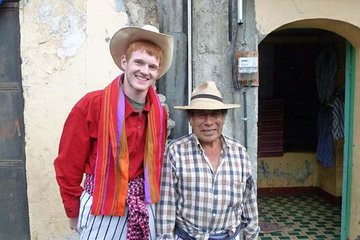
(348, 143)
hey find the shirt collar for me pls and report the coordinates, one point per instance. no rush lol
(224, 144)
(129, 109)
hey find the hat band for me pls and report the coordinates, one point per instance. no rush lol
(207, 96)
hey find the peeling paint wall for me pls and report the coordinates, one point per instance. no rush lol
(302, 170)
(212, 53)
(330, 179)
(64, 50)
(290, 170)
(142, 12)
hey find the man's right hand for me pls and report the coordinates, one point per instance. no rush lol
(73, 223)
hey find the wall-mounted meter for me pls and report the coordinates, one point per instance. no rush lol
(248, 65)
(247, 70)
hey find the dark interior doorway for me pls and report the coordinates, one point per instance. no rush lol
(292, 100)
(288, 65)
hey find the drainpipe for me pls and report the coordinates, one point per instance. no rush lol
(245, 119)
(189, 50)
(233, 40)
(240, 21)
(230, 19)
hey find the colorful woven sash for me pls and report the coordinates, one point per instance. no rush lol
(138, 217)
(112, 163)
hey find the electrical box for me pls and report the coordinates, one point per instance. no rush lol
(246, 69)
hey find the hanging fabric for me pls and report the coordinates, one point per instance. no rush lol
(325, 146)
(337, 118)
(326, 67)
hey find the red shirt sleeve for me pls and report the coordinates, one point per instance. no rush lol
(77, 150)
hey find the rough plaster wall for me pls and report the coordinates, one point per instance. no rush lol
(142, 12)
(290, 170)
(212, 53)
(52, 45)
(64, 50)
(248, 40)
(269, 17)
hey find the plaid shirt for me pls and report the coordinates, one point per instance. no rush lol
(203, 202)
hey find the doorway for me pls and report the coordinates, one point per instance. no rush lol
(300, 145)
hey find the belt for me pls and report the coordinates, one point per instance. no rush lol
(219, 236)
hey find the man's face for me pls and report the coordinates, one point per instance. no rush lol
(141, 71)
(207, 125)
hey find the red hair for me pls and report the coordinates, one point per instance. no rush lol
(149, 47)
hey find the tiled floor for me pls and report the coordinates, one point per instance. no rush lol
(303, 217)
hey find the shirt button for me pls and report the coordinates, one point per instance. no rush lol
(138, 127)
(215, 196)
(214, 214)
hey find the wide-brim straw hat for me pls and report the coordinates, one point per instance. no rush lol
(207, 97)
(123, 37)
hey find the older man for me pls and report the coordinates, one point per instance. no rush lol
(207, 188)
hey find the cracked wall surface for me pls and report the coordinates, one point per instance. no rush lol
(64, 51)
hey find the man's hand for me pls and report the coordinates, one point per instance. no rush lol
(73, 223)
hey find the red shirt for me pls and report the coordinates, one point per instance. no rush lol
(78, 146)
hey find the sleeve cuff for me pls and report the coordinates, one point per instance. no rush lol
(72, 209)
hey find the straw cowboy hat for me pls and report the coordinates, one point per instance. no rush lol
(207, 97)
(123, 37)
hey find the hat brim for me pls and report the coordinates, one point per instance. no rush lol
(123, 37)
(207, 107)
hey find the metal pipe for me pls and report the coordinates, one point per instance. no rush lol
(245, 119)
(239, 11)
(230, 19)
(189, 52)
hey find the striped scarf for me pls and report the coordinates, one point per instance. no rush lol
(112, 163)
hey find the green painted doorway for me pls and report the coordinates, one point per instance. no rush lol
(348, 143)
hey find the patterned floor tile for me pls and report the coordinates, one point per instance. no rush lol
(305, 217)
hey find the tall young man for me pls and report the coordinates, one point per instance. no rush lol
(115, 137)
